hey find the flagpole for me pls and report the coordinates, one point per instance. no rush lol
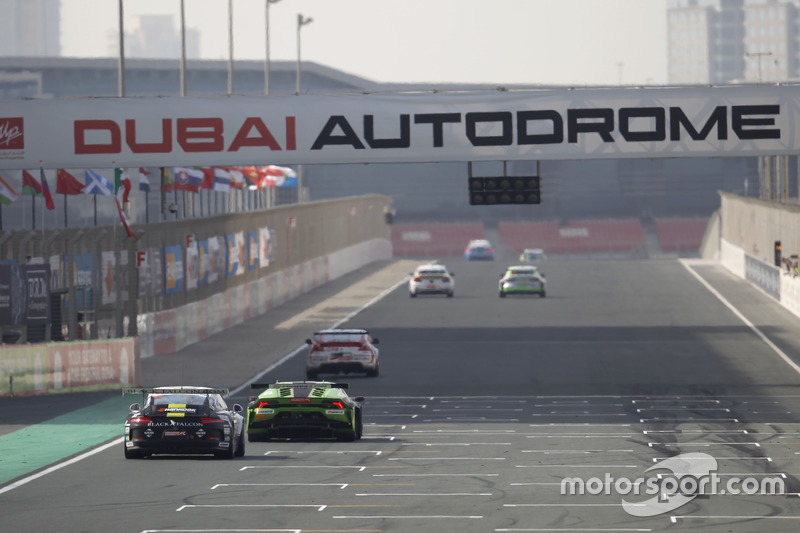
(33, 213)
(65, 211)
(95, 209)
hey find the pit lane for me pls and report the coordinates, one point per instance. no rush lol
(483, 406)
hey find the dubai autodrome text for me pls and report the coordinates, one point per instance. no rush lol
(481, 128)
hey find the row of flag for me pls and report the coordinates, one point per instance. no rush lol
(194, 179)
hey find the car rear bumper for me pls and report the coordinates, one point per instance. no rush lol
(350, 367)
(292, 423)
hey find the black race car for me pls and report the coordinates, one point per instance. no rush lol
(183, 420)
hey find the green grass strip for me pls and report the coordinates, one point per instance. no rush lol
(37, 446)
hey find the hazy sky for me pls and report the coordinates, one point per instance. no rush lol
(572, 42)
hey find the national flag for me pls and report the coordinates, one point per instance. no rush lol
(97, 184)
(122, 185)
(208, 178)
(7, 193)
(144, 181)
(48, 198)
(275, 176)
(188, 179)
(124, 218)
(222, 180)
(237, 178)
(30, 185)
(289, 177)
(66, 183)
(255, 176)
(167, 179)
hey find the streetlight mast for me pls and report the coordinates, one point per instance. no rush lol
(301, 21)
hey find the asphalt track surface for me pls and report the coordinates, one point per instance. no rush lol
(482, 407)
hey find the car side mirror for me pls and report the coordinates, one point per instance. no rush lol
(308, 341)
(237, 408)
(452, 274)
(135, 407)
(376, 341)
(359, 399)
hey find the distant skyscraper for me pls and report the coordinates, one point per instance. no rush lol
(30, 28)
(722, 41)
(155, 37)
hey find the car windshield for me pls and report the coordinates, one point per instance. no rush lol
(432, 272)
(344, 337)
(176, 399)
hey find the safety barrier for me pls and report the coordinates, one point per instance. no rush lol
(579, 236)
(431, 240)
(680, 234)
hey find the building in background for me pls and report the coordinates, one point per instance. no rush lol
(30, 28)
(724, 41)
(154, 37)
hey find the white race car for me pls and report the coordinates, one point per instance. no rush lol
(342, 350)
(431, 279)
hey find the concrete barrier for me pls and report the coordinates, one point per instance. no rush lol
(169, 331)
(69, 366)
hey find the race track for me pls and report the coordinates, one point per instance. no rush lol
(483, 406)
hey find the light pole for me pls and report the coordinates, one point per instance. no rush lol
(301, 21)
(183, 49)
(266, 62)
(230, 47)
(121, 74)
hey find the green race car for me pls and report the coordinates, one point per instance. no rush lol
(288, 409)
(525, 279)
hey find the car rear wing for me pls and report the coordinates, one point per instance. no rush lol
(300, 384)
(153, 390)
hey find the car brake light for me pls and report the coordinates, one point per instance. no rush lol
(417, 279)
(210, 420)
(488, 250)
(338, 404)
(140, 420)
(445, 279)
(262, 404)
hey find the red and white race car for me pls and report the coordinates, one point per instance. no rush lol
(342, 350)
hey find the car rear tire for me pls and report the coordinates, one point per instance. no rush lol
(412, 294)
(359, 425)
(240, 448)
(502, 294)
(543, 294)
(374, 373)
(450, 294)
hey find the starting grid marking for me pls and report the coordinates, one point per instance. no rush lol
(443, 429)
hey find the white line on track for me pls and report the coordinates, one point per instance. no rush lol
(340, 485)
(392, 517)
(59, 466)
(447, 458)
(577, 466)
(424, 494)
(436, 475)
(318, 507)
(794, 366)
(674, 519)
(576, 451)
(570, 529)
